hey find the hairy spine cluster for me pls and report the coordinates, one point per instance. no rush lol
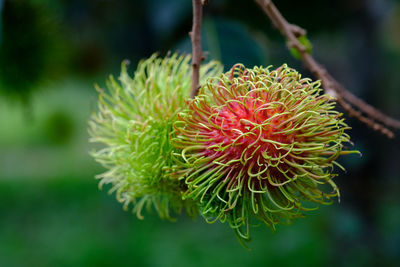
(258, 143)
(254, 144)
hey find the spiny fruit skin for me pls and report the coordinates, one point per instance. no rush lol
(258, 143)
(134, 123)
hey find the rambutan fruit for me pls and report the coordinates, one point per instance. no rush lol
(134, 123)
(259, 143)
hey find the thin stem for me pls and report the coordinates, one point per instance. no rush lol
(195, 35)
(331, 86)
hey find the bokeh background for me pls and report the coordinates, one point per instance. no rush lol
(53, 51)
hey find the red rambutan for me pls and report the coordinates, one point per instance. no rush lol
(258, 143)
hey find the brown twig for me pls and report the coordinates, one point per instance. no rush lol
(331, 86)
(368, 109)
(374, 125)
(195, 35)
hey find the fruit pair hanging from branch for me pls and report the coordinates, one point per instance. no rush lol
(247, 145)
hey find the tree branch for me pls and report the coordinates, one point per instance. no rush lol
(345, 98)
(195, 35)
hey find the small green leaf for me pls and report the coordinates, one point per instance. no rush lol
(305, 42)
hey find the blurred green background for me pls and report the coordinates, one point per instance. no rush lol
(51, 54)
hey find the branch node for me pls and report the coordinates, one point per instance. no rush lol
(297, 30)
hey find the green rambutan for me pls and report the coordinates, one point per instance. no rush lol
(134, 123)
(258, 143)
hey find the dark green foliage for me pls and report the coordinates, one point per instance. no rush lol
(28, 50)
